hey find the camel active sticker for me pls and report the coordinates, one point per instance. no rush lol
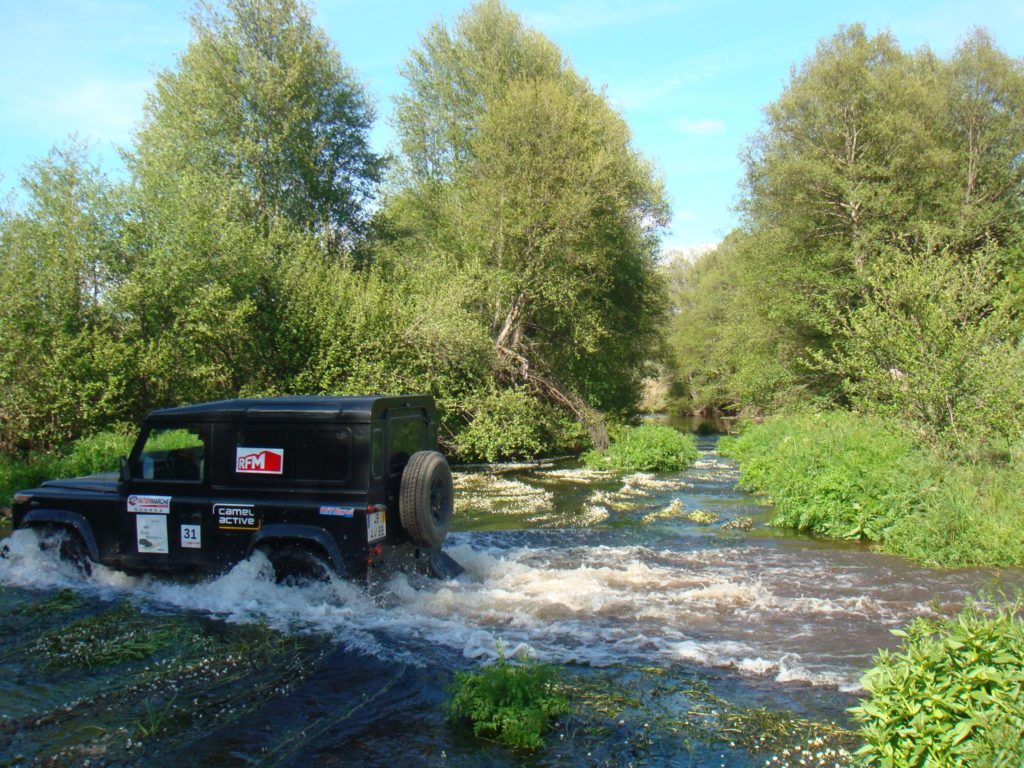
(259, 461)
(236, 517)
(149, 505)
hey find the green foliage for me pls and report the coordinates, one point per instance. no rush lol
(510, 424)
(511, 703)
(99, 452)
(853, 476)
(261, 100)
(951, 695)
(837, 474)
(647, 448)
(879, 260)
(510, 272)
(933, 346)
(521, 183)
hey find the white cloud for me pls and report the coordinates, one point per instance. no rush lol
(576, 15)
(701, 127)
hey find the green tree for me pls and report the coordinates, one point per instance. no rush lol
(63, 367)
(525, 179)
(261, 101)
(875, 169)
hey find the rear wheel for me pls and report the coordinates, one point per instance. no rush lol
(294, 564)
(427, 498)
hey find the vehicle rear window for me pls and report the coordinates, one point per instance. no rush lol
(405, 439)
(323, 455)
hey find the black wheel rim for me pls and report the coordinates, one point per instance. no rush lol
(439, 501)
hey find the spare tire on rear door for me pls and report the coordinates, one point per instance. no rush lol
(427, 498)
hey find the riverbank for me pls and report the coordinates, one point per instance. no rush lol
(848, 476)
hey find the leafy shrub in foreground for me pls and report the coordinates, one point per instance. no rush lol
(512, 703)
(647, 448)
(952, 695)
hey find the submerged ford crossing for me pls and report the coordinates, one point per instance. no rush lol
(353, 485)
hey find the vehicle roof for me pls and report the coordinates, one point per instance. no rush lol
(304, 408)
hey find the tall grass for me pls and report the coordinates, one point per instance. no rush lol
(845, 475)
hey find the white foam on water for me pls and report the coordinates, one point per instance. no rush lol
(597, 605)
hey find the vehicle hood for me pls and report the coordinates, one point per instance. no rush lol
(104, 482)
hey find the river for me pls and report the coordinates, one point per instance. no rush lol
(688, 631)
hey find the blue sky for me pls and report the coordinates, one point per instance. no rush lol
(690, 76)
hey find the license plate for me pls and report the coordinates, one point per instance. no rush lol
(376, 526)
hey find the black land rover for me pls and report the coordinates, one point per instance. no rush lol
(353, 485)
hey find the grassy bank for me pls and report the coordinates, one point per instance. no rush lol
(844, 475)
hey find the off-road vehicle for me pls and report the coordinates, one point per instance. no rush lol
(353, 485)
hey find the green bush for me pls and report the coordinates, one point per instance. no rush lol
(96, 453)
(647, 448)
(511, 424)
(511, 703)
(952, 695)
(846, 475)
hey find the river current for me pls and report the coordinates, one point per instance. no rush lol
(636, 577)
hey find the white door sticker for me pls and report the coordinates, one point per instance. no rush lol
(151, 534)
(149, 505)
(191, 537)
(376, 526)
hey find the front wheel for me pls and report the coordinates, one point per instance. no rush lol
(427, 498)
(68, 545)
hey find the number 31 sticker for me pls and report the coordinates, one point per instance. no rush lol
(191, 537)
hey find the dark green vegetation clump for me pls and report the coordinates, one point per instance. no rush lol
(647, 448)
(511, 703)
(952, 695)
(858, 477)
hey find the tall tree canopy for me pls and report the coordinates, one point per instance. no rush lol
(880, 260)
(532, 190)
(261, 101)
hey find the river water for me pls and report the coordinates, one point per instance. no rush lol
(676, 613)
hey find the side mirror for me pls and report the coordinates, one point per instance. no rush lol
(125, 472)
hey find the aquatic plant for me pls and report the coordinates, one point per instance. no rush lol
(739, 524)
(647, 448)
(952, 694)
(511, 703)
(115, 636)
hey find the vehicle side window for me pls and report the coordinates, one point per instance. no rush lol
(261, 452)
(172, 453)
(406, 438)
(324, 455)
